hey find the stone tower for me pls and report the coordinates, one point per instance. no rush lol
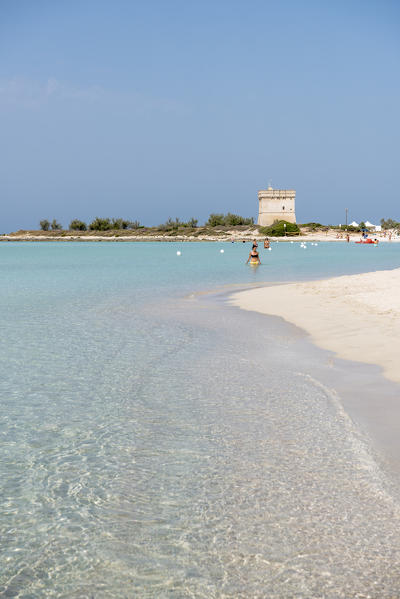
(276, 204)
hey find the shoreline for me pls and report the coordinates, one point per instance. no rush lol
(355, 316)
(226, 236)
(367, 382)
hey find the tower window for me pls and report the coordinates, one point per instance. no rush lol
(283, 207)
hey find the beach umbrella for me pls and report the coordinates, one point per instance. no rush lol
(354, 224)
(368, 224)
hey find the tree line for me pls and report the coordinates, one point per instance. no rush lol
(98, 224)
(112, 224)
(389, 224)
(214, 220)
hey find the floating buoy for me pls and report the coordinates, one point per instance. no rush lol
(222, 251)
(270, 249)
(178, 253)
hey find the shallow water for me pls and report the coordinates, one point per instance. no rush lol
(159, 444)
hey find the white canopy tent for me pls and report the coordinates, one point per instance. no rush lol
(376, 228)
(368, 225)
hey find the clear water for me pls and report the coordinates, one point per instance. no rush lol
(157, 443)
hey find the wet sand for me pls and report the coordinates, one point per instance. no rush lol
(357, 316)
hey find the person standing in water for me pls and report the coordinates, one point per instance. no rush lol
(253, 258)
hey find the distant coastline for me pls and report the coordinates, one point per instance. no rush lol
(222, 234)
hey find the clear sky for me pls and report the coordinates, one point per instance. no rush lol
(159, 108)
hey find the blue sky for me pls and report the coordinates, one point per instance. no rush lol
(146, 110)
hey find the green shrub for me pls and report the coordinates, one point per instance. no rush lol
(174, 225)
(277, 229)
(235, 219)
(170, 225)
(77, 225)
(214, 220)
(313, 226)
(135, 224)
(55, 225)
(229, 220)
(100, 224)
(45, 224)
(389, 224)
(120, 223)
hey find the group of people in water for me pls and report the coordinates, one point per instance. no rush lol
(254, 257)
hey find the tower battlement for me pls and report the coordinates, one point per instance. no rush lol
(276, 204)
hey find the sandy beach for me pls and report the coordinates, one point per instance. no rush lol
(357, 316)
(223, 235)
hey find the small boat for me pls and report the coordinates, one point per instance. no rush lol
(368, 242)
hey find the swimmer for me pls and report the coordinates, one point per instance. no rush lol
(253, 258)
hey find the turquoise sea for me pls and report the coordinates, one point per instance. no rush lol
(156, 442)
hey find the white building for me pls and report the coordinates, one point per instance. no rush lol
(276, 204)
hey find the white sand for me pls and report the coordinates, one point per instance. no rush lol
(247, 234)
(357, 316)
